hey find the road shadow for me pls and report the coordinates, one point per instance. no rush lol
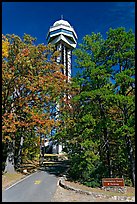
(58, 169)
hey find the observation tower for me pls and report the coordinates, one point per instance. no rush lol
(64, 37)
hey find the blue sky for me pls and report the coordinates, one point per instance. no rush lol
(35, 18)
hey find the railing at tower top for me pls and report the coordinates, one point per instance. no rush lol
(61, 24)
(65, 26)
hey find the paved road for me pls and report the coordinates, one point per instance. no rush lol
(38, 187)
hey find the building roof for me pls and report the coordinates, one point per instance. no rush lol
(61, 30)
(61, 22)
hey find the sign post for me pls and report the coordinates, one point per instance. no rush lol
(114, 184)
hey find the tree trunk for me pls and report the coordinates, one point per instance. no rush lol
(108, 152)
(105, 130)
(9, 168)
(131, 158)
(129, 147)
(19, 156)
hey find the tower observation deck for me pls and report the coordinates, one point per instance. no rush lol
(64, 37)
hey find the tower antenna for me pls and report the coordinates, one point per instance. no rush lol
(61, 17)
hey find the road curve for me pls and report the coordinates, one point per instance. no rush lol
(38, 187)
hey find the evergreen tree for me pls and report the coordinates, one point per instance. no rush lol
(99, 130)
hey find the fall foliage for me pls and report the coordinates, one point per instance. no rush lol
(32, 85)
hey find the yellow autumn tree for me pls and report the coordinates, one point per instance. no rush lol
(32, 85)
(5, 45)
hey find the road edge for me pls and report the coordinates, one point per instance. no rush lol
(61, 183)
(18, 181)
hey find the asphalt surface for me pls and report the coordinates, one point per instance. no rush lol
(37, 187)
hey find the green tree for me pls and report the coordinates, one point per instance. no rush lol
(121, 54)
(99, 131)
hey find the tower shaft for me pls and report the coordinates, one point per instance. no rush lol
(65, 59)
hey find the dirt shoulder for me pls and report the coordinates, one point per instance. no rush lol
(130, 191)
(10, 178)
(65, 195)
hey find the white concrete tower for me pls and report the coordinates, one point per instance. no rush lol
(63, 36)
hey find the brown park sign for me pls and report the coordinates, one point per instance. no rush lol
(106, 182)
